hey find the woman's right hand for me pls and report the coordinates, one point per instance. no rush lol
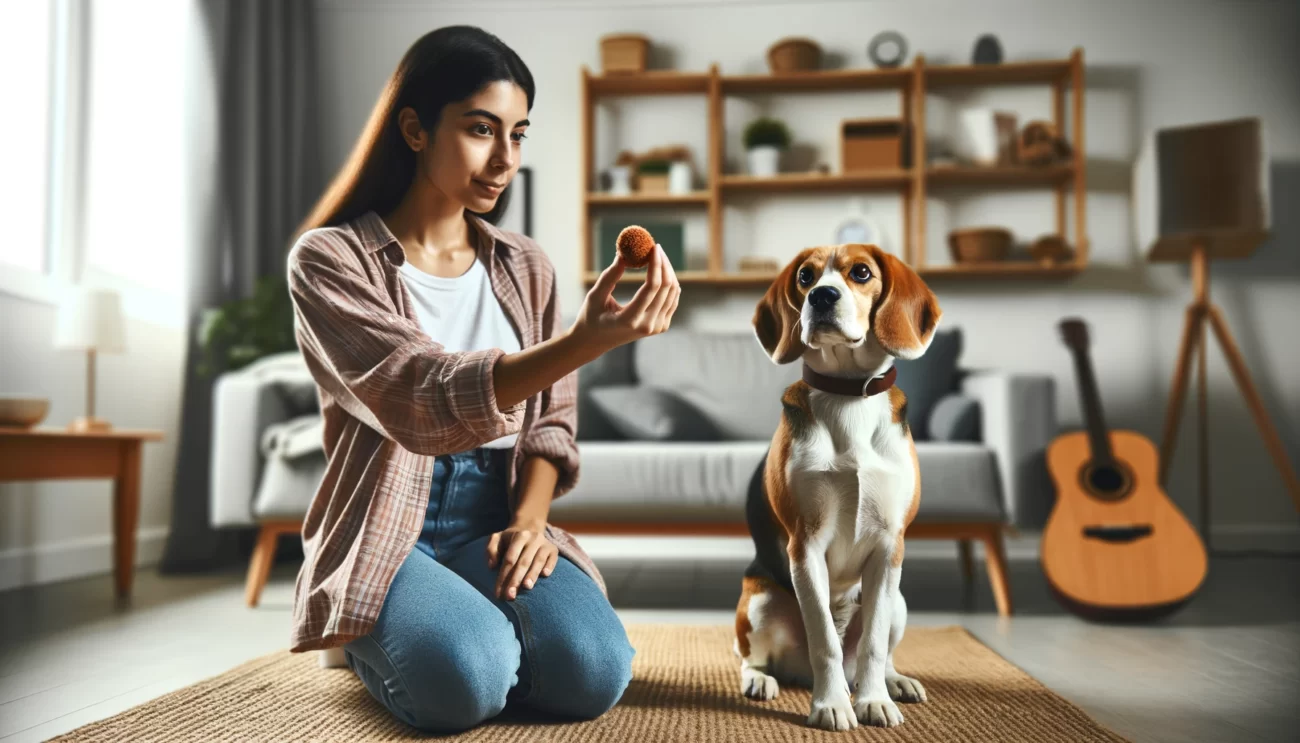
(606, 324)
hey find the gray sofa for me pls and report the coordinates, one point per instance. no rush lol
(981, 437)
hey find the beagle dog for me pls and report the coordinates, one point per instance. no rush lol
(828, 507)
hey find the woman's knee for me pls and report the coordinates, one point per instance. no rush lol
(596, 672)
(450, 682)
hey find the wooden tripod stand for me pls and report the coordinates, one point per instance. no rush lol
(1194, 339)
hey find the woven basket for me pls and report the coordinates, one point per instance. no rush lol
(624, 54)
(794, 55)
(979, 244)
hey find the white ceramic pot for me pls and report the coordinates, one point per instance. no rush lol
(620, 180)
(978, 140)
(679, 177)
(764, 161)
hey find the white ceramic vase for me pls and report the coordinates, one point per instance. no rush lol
(764, 161)
(679, 178)
(620, 180)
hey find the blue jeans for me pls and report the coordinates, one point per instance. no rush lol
(446, 654)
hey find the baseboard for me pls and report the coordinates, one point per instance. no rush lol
(1282, 539)
(76, 558)
(741, 549)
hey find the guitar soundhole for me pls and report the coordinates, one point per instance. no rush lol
(1107, 482)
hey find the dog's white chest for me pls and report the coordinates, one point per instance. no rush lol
(854, 470)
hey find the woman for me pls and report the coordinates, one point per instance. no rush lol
(448, 395)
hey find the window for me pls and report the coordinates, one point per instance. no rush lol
(135, 224)
(26, 40)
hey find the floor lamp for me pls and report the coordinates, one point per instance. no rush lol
(1212, 203)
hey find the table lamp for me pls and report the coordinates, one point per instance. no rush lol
(90, 320)
(1210, 184)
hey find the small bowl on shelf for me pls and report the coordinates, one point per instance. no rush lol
(794, 54)
(21, 411)
(979, 244)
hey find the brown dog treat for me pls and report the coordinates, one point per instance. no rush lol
(635, 245)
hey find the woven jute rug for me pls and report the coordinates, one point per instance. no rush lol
(685, 687)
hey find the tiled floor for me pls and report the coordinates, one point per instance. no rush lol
(1227, 668)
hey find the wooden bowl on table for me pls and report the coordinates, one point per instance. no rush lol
(23, 412)
(979, 244)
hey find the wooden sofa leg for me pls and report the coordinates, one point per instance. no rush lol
(995, 558)
(259, 567)
(965, 551)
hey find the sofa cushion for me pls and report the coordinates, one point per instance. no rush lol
(928, 378)
(614, 367)
(652, 414)
(959, 482)
(670, 481)
(725, 375)
(288, 485)
(661, 481)
(956, 417)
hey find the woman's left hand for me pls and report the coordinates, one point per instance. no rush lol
(523, 553)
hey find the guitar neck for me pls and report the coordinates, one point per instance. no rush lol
(1095, 422)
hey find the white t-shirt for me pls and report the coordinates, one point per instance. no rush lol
(462, 314)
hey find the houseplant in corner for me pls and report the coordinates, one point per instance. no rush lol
(764, 139)
(242, 331)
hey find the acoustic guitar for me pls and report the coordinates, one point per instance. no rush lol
(1115, 546)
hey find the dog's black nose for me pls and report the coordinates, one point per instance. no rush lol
(824, 297)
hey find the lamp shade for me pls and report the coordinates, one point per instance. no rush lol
(1204, 184)
(90, 318)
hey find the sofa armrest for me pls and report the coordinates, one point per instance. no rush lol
(1018, 421)
(244, 403)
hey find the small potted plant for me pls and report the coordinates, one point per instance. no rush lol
(765, 138)
(652, 174)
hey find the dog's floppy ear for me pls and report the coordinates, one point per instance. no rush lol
(776, 319)
(908, 312)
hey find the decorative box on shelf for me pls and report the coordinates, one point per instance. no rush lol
(873, 144)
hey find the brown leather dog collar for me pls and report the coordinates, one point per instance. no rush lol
(860, 387)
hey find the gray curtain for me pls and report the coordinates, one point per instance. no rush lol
(253, 156)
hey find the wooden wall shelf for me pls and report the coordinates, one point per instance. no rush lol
(1050, 175)
(912, 83)
(649, 199)
(817, 182)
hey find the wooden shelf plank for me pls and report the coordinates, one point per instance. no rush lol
(863, 79)
(1001, 269)
(651, 82)
(704, 278)
(999, 175)
(817, 181)
(1005, 73)
(648, 199)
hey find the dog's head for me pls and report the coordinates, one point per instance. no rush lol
(836, 295)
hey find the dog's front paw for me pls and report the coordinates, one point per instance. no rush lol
(878, 712)
(833, 711)
(904, 689)
(758, 685)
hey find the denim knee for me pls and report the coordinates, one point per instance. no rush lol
(458, 685)
(599, 670)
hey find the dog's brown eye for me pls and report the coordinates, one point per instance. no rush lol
(860, 273)
(805, 276)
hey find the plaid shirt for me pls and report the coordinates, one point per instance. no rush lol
(392, 399)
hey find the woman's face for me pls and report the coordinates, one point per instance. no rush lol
(474, 151)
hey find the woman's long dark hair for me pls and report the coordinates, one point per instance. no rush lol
(444, 66)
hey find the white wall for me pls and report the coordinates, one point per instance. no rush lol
(54, 530)
(1149, 65)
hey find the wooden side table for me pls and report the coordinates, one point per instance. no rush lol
(48, 453)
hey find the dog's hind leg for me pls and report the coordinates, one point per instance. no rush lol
(770, 641)
(901, 688)
(753, 641)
